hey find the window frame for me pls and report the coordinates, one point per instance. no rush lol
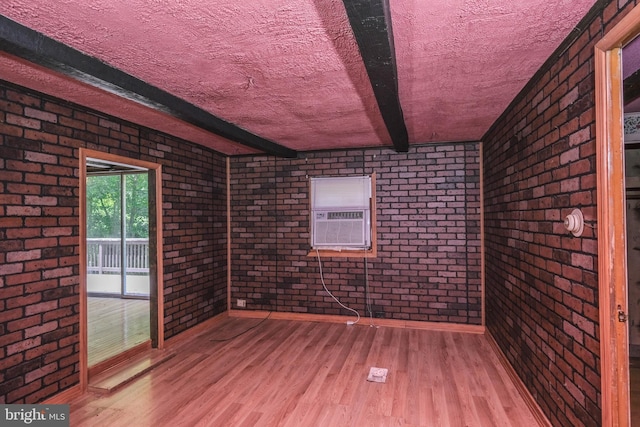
(372, 252)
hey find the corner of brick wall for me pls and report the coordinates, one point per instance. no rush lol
(40, 139)
(541, 282)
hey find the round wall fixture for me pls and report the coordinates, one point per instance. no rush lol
(574, 222)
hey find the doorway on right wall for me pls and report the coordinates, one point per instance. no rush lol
(631, 103)
(617, 199)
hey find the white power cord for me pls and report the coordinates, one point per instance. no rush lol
(368, 293)
(350, 322)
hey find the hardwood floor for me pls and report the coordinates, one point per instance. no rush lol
(115, 325)
(290, 373)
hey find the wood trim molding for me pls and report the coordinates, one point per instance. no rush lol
(159, 256)
(84, 336)
(347, 253)
(88, 153)
(229, 302)
(391, 323)
(482, 251)
(612, 268)
(537, 412)
(119, 358)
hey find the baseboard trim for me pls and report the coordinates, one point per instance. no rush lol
(119, 358)
(391, 323)
(196, 330)
(65, 396)
(522, 389)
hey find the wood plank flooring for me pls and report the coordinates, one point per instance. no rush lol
(290, 373)
(115, 325)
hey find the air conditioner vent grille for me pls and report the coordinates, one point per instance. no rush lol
(346, 215)
(340, 228)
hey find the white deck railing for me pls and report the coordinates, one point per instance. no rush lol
(104, 256)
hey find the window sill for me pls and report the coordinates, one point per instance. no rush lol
(346, 253)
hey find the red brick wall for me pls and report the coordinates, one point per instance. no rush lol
(541, 282)
(39, 234)
(428, 263)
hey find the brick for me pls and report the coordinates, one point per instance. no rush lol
(23, 255)
(41, 179)
(26, 278)
(25, 122)
(22, 189)
(42, 136)
(41, 372)
(23, 233)
(23, 98)
(23, 300)
(23, 166)
(57, 314)
(41, 243)
(41, 115)
(40, 329)
(38, 200)
(24, 211)
(22, 345)
(10, 338)
(23, 368)
(9, 130)
(10, 222)
(7, 269)
(40, 308)
(24, 323)
(41, 221)
(9, 362)
(18, 393)
(40, 157)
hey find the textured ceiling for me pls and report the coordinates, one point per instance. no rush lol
(292, 72)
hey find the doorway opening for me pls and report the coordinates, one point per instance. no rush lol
(121, 300)
(117, 200)
(616, 205)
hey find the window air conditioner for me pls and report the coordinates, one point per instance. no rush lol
(341, 229)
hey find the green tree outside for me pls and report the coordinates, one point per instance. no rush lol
(104, 205)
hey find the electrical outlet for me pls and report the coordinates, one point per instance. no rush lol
(242, 303)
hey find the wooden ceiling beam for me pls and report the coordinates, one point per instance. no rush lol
(35, 47)
(371, 24)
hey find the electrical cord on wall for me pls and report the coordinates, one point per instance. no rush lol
(366, 287)
(367, 292)
(332, 296)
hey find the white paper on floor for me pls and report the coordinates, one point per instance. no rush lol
(378, 375)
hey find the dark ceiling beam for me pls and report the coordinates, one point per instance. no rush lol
(35, 47)
(371, 24)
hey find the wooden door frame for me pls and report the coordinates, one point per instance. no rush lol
(612, 253)
(157, 294)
